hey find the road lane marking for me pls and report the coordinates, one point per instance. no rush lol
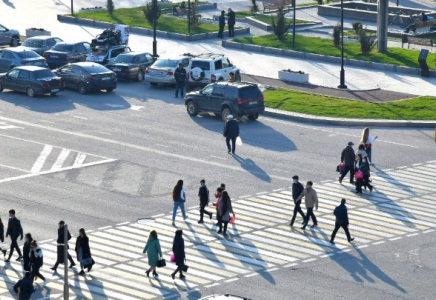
(39, 163)
(13, 168)
(80, 159)
(61, 159)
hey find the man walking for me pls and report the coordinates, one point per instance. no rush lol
(231, 132)
(297, 189)
(60, 248)
(14, 230)
(231, 20)
(24, 287)
(348, 157)
(310, 200)
(341, 221)
(203, 194)
(180, 77)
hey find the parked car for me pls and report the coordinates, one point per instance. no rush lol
(9, 37)
(87, 76)
(207, 68)
(227, 98)
(19, 56)
(223, 297)
(32, 80)
(63, 53)
(162, 71)
(131, 65)
(40, 43)
(103, 55)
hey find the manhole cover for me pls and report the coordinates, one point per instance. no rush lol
(145, 221)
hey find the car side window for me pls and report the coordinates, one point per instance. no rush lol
(185, 62)
(149, 57)
(51, 42)
(230, 92)
(2, 28)
(116, 52)
(87, 47)
(8, 55)
(23, 74)
(57, 40)
(218, 65)
(218, 91)
(76, 70)
(141, 59)
(14, 73)
(207, 90)
(226, 63)
(80, 48)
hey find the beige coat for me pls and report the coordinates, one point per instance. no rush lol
(310, 197)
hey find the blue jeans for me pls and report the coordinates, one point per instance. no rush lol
(182, 208)
(180, 87)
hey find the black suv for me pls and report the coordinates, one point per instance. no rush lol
(227, 98)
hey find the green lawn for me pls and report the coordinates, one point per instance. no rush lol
(396, 56)
(135, 17)
(421, 108)
(267, 19)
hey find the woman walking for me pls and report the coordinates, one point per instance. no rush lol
(363, 166)
(82, 250)
(36, 260)
(26, 251)
(225, 208)
(154, 252)
(179, 253)
(368, 141)
(179, 198)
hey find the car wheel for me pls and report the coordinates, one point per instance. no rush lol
(109, 90)
(14, 42)
(30, 92)
(192, 108)
(53, 94)
(153, 83)
(140, 76)
(253, 117)
(225, 112)
(82, 88)
(220, 79)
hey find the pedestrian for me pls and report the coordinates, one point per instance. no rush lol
(154, 252)
(361, 150)
(231, 77)
(179, 253)
(225, 208)
(368, 141)
(2, 237)
(60, 247)
(180, 77)
(221, 24)
(363, 166)
(14, 230)
(179, 198)
(24, 287)
(83, 251)
(203, 194)
(310, 200)
(231, 132)
(36, 260)
(26, 251)
(341, 221)
(218, 196)
(231, 20)
(297, 189)
(348, 158)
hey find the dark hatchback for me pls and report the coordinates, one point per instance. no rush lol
(40, 43)
(63, 53)
(131, 65)
(87, 76)
(227, 98)
(32, 80)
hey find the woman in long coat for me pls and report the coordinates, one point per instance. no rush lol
(82, 250)
(154, 252)
(179, 253)
(225, 208)
(26, 252)
(36, 260)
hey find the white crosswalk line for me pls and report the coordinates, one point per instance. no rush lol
(80, 159)
(39, 163)
(60, 160)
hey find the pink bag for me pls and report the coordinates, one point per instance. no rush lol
(232, 220)
(358, 175)
(173, 258)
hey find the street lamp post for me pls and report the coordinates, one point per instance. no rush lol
(189, 17)
(293, 25)
(72, 10)
(342, 75)
(154, 29)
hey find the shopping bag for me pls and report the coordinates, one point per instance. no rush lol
(172, 258)
(232, 220)
(238, 141)
(358, 175)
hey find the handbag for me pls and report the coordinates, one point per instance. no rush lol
(185, 268)
(172, 258)
(161, 263)
(340, 168)
(232, 220)
(358, 175)
(87, 262)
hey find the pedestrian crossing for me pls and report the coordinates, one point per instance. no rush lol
(402, 205)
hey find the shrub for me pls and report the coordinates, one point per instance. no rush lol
(367, 43)
(357, 26)
(194, 19)
(149, 9)
(110, 7)
(281, 28)
(254, 7)
(337, 35)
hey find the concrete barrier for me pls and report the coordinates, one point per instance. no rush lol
(271, 50)
(358, 63)
(383, 67)
(258, 24)
(314, 56)
(249, 47)
(87, 22)
(293, 53)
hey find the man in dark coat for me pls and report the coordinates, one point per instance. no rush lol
(348, 157)
(180, 77)
(231, 20)
(25, 287)
(231, 132)
(221, 24)
(2, 237)
(14, 230)
(203, 194)
(297, 189)
(60, 247)
(341, 221)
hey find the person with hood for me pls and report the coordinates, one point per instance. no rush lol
(154, 252)
(348, 158)
(231, 132)
(203, 194)
(225, 208)
(341, 214)
(311, 201)
(83, 251)
(36, 260)
(297, 189)
(24, 287)
(179, 253)
(60, 247)
(14, 231)
(26, 251)
(363, 166)
(221, 24)
(179, 198)
(368, 140)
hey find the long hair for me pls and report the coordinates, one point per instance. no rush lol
(29, 237)
(226, 200)
(82, 231)
(365, 135)
(177, 190)
(153, 234)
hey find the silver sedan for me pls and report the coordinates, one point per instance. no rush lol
(162, 71)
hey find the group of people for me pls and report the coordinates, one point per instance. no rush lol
(231, 20)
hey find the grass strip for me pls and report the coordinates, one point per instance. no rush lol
(267, 19)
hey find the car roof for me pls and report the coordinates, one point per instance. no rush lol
(70, 43)
(31, 68)
(240, 84)
(42, 37)
(175, 58)
(86, 64)
(18, 49)
(208, 56)
(135, 53)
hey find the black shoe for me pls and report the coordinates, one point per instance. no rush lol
(304, 228)
(229, 152)
(233, 152)
(8, 260)
(370, 189)
(20, 257)
(53, 268)
(217, 224)
(219, 231)
(82, 272)
(155, 274)
(314, 225)
(340, 180)
(352, 239)
(352, 182)
(90, 268)
(4, 252)
(291, 224)
(200, 222)
(148, 273)
(182, 277)
(224, 233)
(72, 265)
(331, 242)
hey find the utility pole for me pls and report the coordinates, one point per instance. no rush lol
(189, 17)
(154, 29)
(72, 9)
(293, 25)
(66, 287)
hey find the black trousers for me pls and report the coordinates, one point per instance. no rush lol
(337, 226)
(204, 211)
(35, 273)
(59, 261)
(297, 209)
(221, 222)
(233, 144)
(346, 170)
(14, 245)
(231, 29)
(221, 32)
(309, 215)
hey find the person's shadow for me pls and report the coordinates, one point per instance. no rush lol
(9, 3)
(250, 166)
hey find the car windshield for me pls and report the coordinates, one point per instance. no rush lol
(124, 58)
(63, 47)
(204, 65)
(34, 43)
(166, 63)
(250, 93)
(28, 54)
(97, 52)
(96, 69)
(43, 74)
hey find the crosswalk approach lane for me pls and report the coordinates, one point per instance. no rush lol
(261, 239)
